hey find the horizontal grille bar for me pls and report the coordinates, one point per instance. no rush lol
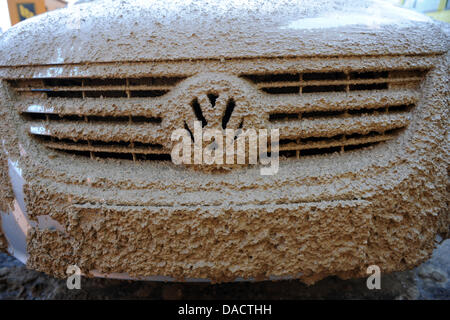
(30, 116)
(101, 146)
(344, 125)
(302, 83)
(334, 82)
(339, 113)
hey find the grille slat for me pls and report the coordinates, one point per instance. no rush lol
(96, 87)
(341, 141)
(364, 124)
(91, 107)
(390, 109)
(106, 131)
(303, 83)
(263, 85)
(123, 118)
(340, 101)
(90, 118)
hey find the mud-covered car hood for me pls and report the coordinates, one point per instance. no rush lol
(106, 31)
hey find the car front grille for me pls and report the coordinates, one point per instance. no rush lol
(316, 112)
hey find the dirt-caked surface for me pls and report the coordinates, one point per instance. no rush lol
(428, 281)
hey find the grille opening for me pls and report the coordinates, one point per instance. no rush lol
(278, 83)
(65, 94)
(369, 75)
(95, 82)
(25, 83)
(62, 82)
(44, 139)
(132, 119)
(147, 145)
(30, 116)
(324, 76)
(360, 135)
(97, 143)
(286, 141)
(108, 119)
(370, 86)
(282, 90)
(273, 77)
(97, 87)
(401, 108)
(336, 81)
(368, 111)
(312, 89)
(189, 130)
(104, 82)
(274, 117)
(154, 157)
(287, 153)
(103, 149)
(319, 151)
(137, 119)
(155, 81)
(67, 118)
(316, 145)
(77, 153)
(105, 94)
(320, 139)
(360, 146)
(321, 114)
(36, 116)
(407, 73)
(120, 156)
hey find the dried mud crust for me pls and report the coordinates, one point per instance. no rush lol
(251, 243)
(428, 281)
(318, 217)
